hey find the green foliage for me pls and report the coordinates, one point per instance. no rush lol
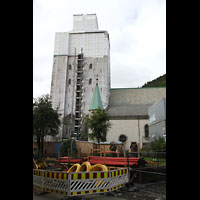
(156, 145)
(68, 148)
(99, 124)
(158, 82)
(45, 118)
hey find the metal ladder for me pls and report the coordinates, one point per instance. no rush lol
(79, 93)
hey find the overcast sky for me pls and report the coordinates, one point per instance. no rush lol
(137, 30)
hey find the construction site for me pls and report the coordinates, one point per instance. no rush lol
(118, 168)
(113, 174)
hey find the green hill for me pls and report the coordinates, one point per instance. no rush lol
(158, 82)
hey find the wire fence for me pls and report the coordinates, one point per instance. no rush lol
(151, 158)
(150, 178)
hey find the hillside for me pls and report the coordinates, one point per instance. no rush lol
(158, 82)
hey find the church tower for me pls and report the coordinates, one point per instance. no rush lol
(80, 57)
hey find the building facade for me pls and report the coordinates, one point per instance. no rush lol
(80, 57)
(128, 110)
(157, 120)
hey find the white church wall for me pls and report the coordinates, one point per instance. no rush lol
(128, 127)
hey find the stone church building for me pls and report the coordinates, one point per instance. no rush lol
(81, 59)
(128, 109)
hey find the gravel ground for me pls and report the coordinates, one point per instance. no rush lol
(139, 192)
(145, 193)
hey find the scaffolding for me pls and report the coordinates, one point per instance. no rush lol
(79, 96)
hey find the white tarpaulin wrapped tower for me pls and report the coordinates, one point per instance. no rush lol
(80, 57)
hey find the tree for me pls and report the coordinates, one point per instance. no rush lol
(45, 120)
(99, 124)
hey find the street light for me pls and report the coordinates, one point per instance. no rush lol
(71, 144)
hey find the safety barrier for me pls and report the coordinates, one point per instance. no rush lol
(79, 183)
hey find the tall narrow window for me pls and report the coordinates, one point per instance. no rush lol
(69, 81)
(70, 66)
(90, 66)
(146, 131)
(90, 81)
(78, 87)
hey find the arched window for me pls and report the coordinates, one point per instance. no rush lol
(90, 81)
(146, 131)
(69, 81)
(70, 66)
(90, 67)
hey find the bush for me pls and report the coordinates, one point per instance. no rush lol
(156, 145)
(65, 149)
(159, 144)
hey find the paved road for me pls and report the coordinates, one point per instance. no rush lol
(89, 197)
(43, 197)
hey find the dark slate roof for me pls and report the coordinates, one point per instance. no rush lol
(133, 102)
(128, 110)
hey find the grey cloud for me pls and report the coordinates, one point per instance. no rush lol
(137, 36)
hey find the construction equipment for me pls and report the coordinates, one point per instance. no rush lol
(48, 163)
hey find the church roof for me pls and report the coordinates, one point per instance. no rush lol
(133, 102)
(129, 96)
(96, 101)
(129, 110)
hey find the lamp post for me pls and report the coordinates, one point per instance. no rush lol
(71, 144)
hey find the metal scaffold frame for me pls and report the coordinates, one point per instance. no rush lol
(79, 93)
